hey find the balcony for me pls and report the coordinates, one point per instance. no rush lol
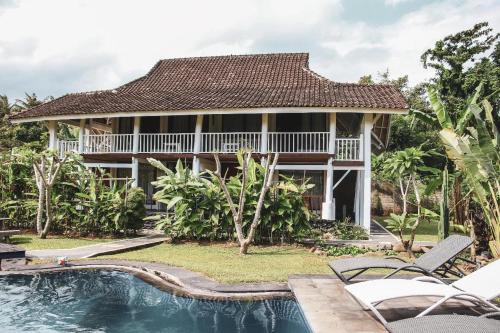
(347, 149)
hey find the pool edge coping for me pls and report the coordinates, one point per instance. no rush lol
(178, 281)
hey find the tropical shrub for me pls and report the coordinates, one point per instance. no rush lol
(82, 202)
(196, 207)
(472, 142)
(337, 251)
(193, 204)
(346, 230)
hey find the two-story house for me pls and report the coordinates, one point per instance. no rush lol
(190, 108)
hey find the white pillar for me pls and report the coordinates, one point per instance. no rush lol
(367, 180)
(264, 133)
(52, 126)
(135, 172)
(81, 136)
(197, 143)
(333, 133)
(137, 130)
(328, 207)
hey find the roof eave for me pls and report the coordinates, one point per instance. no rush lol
(268, 110)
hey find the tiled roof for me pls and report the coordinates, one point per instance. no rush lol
(244, 81)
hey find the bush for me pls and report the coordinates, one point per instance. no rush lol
(135, 211)
(346, 230)
(82, 202)
(337, 251)
(196, 207)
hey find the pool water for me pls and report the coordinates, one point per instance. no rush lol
(113, 301)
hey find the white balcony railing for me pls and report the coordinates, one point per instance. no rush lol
(66, 146)
(348, 149)
(229, 142)
(298, 142)
(180, 143)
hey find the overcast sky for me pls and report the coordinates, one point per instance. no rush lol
(55, 47)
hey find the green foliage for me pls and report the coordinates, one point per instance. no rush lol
(475, 152)
(83, 203)
(461, 62)
(196, 207)
(32, 135)
(398, 223)
(193, 204)
(134, 210)
(337, 251)
(346, 230)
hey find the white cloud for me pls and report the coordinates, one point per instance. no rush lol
(395, 2)
(57, 46)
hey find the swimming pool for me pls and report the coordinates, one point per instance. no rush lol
(113, 301)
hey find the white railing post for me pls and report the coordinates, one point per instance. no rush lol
(197, 143)
(81, 136)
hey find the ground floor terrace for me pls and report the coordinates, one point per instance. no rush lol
(331, 150)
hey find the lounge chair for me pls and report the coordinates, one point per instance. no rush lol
(479, 287)
(447, 324)
(440, 260)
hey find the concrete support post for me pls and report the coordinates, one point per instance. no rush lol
(367, 180)
(328, 207)
(81, 136)
(52, 126)
(135, 172)
(264, 133)
(333, 133)
(136, 137)
(197, 143)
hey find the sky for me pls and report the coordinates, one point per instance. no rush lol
(53, 47)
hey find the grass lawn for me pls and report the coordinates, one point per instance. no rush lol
(222, 262)
(32, 242)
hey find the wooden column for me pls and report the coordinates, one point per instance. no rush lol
(197, 143)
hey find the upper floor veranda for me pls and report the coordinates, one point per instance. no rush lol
(338, 135)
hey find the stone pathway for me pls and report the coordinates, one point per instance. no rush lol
(94, 250)
(328, 308)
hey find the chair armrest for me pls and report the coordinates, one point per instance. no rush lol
(491, 314)
(428, 279)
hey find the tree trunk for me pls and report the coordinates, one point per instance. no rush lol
(40, 210)
(48, 212)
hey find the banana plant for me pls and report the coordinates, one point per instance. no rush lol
(473, 144)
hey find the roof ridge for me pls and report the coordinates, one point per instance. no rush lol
(246, 55)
